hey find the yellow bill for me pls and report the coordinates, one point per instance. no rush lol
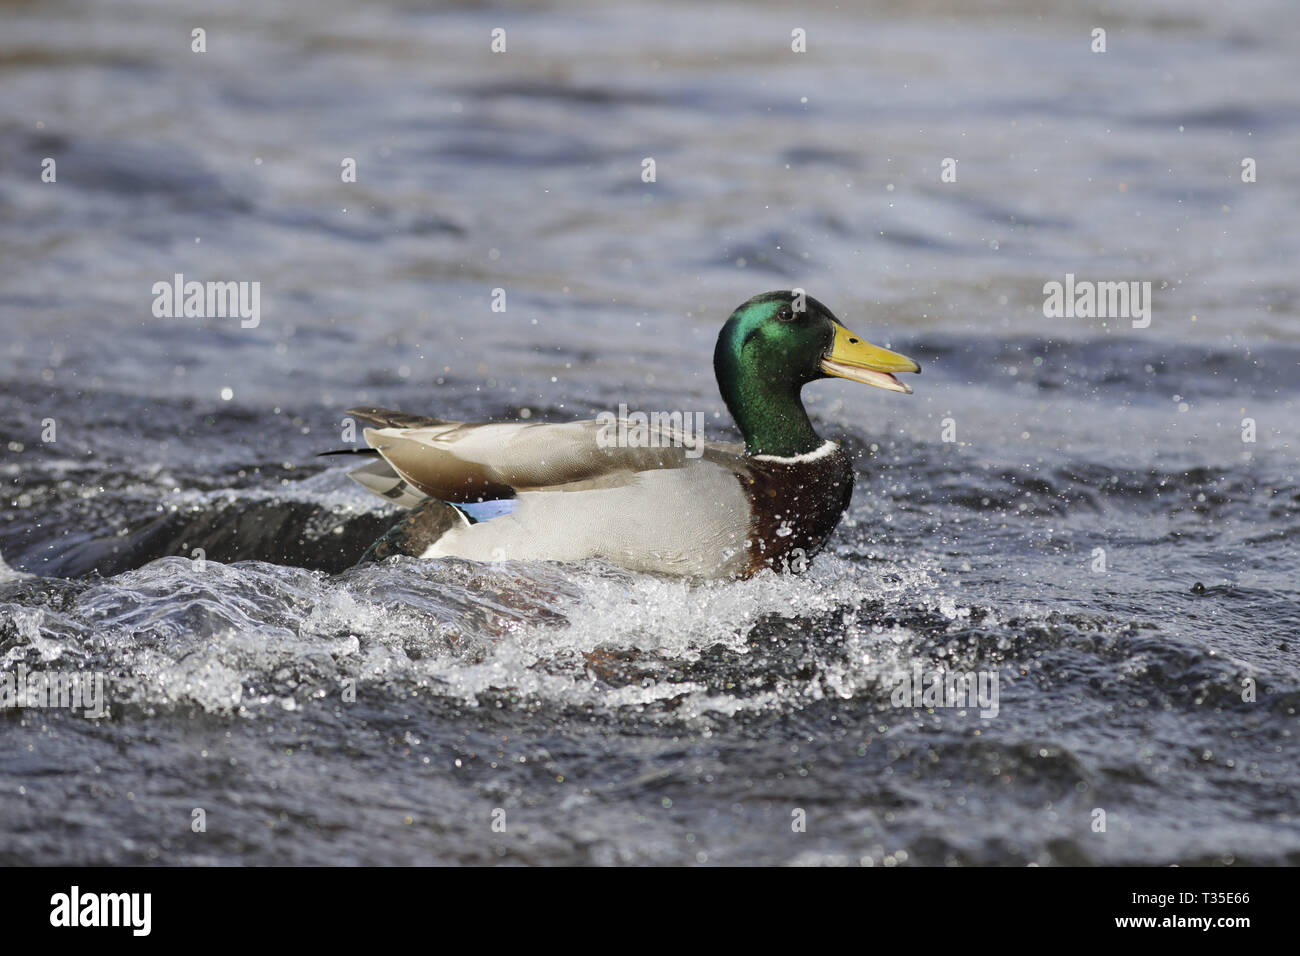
(858, 361)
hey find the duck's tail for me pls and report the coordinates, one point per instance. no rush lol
(379, 478)
(348, 451)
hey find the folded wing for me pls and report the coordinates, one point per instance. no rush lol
(466, 462)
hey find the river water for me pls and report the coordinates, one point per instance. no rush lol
(1072, 505)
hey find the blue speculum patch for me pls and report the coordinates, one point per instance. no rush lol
(487, 510)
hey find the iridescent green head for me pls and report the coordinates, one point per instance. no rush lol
(774, 345)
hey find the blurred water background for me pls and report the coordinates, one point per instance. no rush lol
(713, 711)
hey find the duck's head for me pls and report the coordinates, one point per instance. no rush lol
(774, 345)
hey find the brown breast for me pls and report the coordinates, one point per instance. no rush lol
(794, 507)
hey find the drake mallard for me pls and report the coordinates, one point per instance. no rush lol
(532, 491)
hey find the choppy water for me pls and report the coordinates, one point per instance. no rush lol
(621, 718)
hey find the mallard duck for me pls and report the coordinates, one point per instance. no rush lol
(530, 491)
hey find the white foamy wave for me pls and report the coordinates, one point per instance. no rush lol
(249, 635)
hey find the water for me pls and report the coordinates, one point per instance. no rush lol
(615, 717)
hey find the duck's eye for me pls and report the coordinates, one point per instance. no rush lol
(785, 315)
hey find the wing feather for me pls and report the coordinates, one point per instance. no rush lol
(466, 462)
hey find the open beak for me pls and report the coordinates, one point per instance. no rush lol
(858, 361)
